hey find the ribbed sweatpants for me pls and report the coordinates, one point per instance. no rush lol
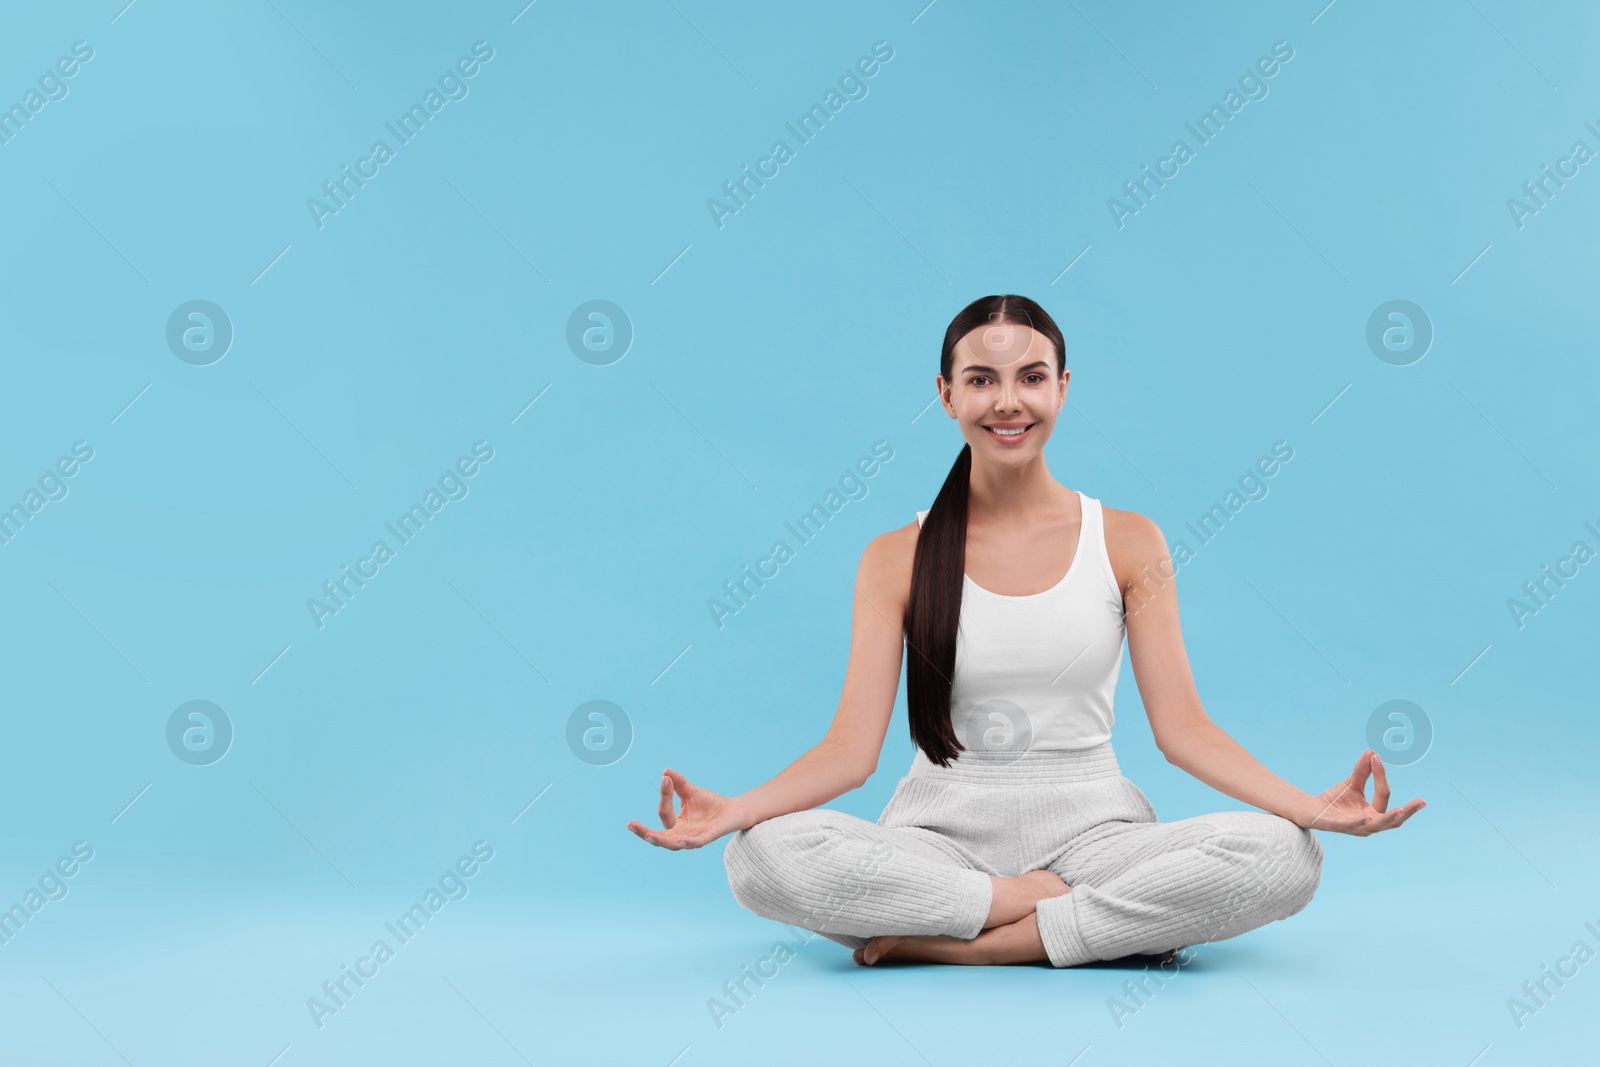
(1138, 885)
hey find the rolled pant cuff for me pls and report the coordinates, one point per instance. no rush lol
(1058, 929)
(974, 896)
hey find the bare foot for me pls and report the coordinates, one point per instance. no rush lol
(930, 948)
(1005, 940)
(1016, 942)
(1014, 898)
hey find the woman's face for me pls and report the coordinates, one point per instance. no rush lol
(1004, 378)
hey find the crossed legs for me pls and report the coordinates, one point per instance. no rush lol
(910, 893)
(849, 879)
(1154, 887)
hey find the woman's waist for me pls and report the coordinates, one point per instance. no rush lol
(1033, 766)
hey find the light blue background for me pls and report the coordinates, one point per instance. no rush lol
(770, 354)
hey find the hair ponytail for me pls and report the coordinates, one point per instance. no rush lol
(933, 610)
(934, 607)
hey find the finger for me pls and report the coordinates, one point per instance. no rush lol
(660, 838)
(668, 817)
(1401, 814)
(1358, 777)
(680, 783)
(1412, 808)
(684, 841)
(1405, 811)
(1387, 821)
(1380, 784)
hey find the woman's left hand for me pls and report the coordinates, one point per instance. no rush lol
(1345, 807)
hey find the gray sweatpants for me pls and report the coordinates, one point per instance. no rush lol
(1138, 885)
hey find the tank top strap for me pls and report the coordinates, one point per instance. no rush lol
(1094, 543)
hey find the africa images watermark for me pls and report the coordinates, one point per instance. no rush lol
(340, 590)
(52, 88)
(1252, 487)
(1211, 123)
(1539, 592)
(452, 885)
(52, 886)
(1539, 191)
(782, 952)
(52, 486)
(1537, 993)
(811, 123)
(1238, 901)
(452, 86)
(853, 486)
(739, 991)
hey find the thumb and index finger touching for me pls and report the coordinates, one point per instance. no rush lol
(671, 781)
(1369, 763)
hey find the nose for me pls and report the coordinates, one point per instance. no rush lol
(1008, 397)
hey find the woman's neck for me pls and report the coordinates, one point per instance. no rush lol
(1015, 496)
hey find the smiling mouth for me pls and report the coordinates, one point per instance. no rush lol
(1009, 437)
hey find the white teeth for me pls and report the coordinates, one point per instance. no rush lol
(1007, 433)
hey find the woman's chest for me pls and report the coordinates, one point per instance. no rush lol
(1011, 564)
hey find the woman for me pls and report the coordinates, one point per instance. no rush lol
(1014, 837)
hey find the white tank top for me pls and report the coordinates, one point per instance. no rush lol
(1040, 671)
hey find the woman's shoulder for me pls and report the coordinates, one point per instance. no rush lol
(1133, 541)
(886, 563)
(1129, 527)
(896, 546)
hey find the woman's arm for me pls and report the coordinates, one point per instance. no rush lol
(1206, 751)
(1183, 731)
(848, 754)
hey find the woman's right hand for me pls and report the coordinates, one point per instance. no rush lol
(1345, 808)
(705, 815)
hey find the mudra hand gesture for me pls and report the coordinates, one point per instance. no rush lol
(705, 815)
(1345, 807)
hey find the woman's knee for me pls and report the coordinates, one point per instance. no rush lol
(1291, 865)
(1285, 862)
(764, 861)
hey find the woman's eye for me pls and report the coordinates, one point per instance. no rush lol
(1036, 378)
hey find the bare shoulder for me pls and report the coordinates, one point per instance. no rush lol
(886, 565)
(1133, 542)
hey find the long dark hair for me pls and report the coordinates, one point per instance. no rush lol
(934, 608)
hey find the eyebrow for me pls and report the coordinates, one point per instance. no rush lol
(991, 370)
